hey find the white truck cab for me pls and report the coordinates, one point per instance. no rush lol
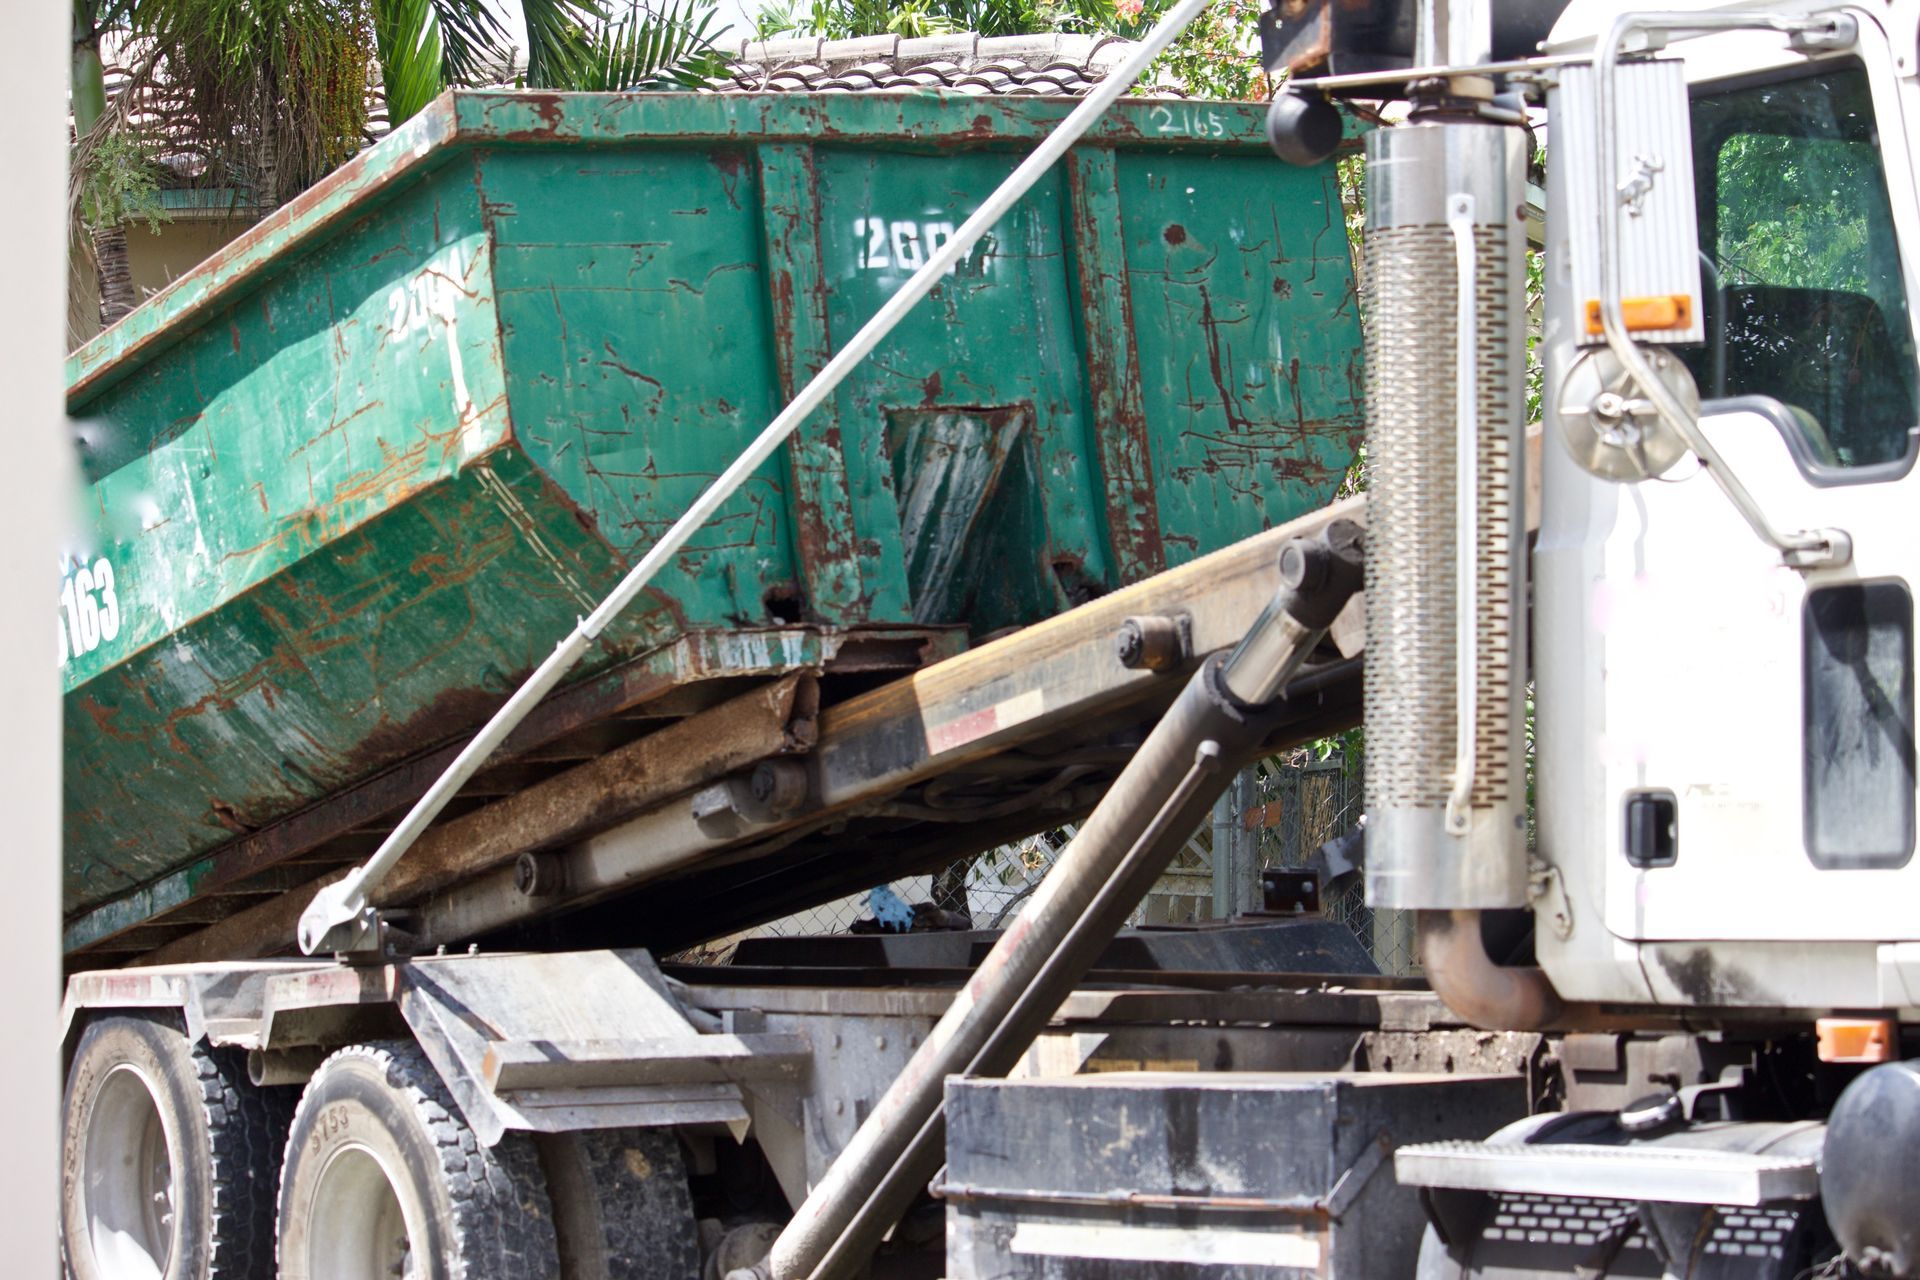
(1725, 740)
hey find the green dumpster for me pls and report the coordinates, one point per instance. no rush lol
(350, 479)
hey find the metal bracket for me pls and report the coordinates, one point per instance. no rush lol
(1842, 32)
(1466, 483)
(1548, 896)
(339, 920)
(766, 793)
(1348, 1186)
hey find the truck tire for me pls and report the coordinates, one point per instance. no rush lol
(168, 1158)
(621, 1205)
(383, 1178)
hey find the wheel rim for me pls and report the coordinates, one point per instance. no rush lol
(132, 1225)
(357, 1229)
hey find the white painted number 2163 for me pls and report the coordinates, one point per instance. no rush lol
(89, 609)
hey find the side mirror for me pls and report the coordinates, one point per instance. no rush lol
(1610, 428)
(1633, 245)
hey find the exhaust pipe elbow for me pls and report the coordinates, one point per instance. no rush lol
(1488, 995)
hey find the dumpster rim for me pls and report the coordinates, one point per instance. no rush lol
(460, 119)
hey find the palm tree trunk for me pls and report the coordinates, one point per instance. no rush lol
(115, 272)
(86, 75)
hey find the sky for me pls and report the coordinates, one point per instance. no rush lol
(740, 14)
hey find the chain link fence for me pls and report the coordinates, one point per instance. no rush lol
(1299, 804)
(1278, 814)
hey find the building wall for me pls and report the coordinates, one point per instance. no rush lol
(158, 258)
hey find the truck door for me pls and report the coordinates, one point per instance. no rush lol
(1758, 720)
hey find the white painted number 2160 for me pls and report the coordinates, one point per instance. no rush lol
(886, 242)
(89, 609)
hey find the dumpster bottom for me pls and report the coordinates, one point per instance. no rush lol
(1221, 1175)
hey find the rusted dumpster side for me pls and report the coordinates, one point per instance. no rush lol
(355, 475)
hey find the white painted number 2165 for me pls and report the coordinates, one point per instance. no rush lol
(89, 609)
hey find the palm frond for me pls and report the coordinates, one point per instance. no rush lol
(406, 34)
(776, 19)
(469, 35)
(561, 36)
(272, 93)
(646, 48)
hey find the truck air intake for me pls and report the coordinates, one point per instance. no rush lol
(1446, 808)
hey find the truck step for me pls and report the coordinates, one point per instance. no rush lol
(1682, 1175)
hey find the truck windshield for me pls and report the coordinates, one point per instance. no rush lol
(1801, 269)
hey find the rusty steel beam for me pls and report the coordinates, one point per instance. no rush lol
(749, 888)
(624, 688)
(244, 934)
(774, 719)
(1042, 680)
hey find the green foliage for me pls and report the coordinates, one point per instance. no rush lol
(560, 34)
(120, 184)
(1536, 297)
(1216, 57)
(1794, 210)
(847, 19)
(583, 45)
(645, 49)
(275, 90)
(1213, 58)
(1351, 171)
(1349, 746)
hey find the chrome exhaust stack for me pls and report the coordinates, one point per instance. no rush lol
(1445, 274)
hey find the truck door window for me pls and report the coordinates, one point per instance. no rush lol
(1804, 296)
(1857, 724)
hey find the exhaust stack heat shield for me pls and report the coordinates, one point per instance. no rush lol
(1414, 663)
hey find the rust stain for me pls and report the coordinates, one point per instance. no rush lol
(1175, 234)
(452, 713)
(1217, 359)
(550, 107)
(1123, 437)
(731, 165)
(613, 362)
(227, 816)
(333, 427)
